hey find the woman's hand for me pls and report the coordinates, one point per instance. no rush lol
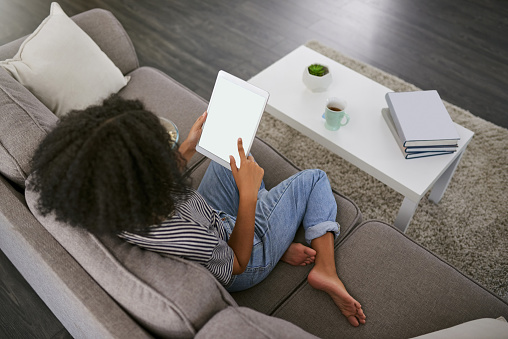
(248, 180)
(196, 130)
(249, 176)
(188, 148)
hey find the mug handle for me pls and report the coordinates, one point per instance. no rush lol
(347, 119)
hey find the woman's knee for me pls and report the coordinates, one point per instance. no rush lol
(316, 174)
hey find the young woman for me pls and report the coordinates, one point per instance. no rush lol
(112, 168)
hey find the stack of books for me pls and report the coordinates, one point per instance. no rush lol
(420, 124)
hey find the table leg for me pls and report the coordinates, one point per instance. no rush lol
(442, 183)
(406, 212)
(408, 208)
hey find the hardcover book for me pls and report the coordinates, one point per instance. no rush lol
(414, 152)
(421, 119)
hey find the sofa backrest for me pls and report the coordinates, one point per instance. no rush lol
(24, 122)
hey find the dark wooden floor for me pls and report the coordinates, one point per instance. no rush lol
(458, 47)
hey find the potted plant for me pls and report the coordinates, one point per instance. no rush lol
(317, 77)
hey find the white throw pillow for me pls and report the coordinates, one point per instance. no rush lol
(63, 67)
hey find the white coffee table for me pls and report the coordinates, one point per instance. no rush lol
(366, 141)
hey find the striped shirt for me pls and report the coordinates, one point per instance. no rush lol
(194, 232)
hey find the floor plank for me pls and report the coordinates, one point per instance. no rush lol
(22, 313)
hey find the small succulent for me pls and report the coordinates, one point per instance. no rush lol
(317, 70)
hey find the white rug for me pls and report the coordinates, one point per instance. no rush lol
(468, 228)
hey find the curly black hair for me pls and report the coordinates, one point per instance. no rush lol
(109, 168)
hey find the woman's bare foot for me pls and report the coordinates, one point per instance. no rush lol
(330, 283)
(299, 255)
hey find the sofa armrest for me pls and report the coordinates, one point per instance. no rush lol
(72, 295)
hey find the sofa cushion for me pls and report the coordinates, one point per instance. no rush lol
(63, 67)
(241, 322)
(405, 290)
(485, 328)
(24, 122)
(168, 296)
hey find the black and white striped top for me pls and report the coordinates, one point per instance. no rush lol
(194, 232)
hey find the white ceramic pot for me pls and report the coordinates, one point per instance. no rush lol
(315, 83)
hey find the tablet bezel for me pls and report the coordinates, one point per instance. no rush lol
(247, 144)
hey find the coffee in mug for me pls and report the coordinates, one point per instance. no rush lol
(335, 115)
(333, 108)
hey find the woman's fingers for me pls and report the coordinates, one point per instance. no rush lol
(241, 151)
(232, 164)
(248, 175)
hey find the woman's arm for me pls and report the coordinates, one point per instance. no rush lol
(188, 147)
(248, 180)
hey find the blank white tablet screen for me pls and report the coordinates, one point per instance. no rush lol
(233, 113)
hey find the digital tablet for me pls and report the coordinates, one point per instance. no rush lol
(234, 111)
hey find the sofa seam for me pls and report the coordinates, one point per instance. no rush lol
(287, 296)
(14, 161)
(23, 108)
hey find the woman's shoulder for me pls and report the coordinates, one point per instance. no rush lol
(193, 204)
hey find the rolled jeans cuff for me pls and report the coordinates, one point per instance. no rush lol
(320, 229)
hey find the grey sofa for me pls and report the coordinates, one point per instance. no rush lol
(105, 288)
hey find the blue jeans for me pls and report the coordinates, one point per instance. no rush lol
(303, 199)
